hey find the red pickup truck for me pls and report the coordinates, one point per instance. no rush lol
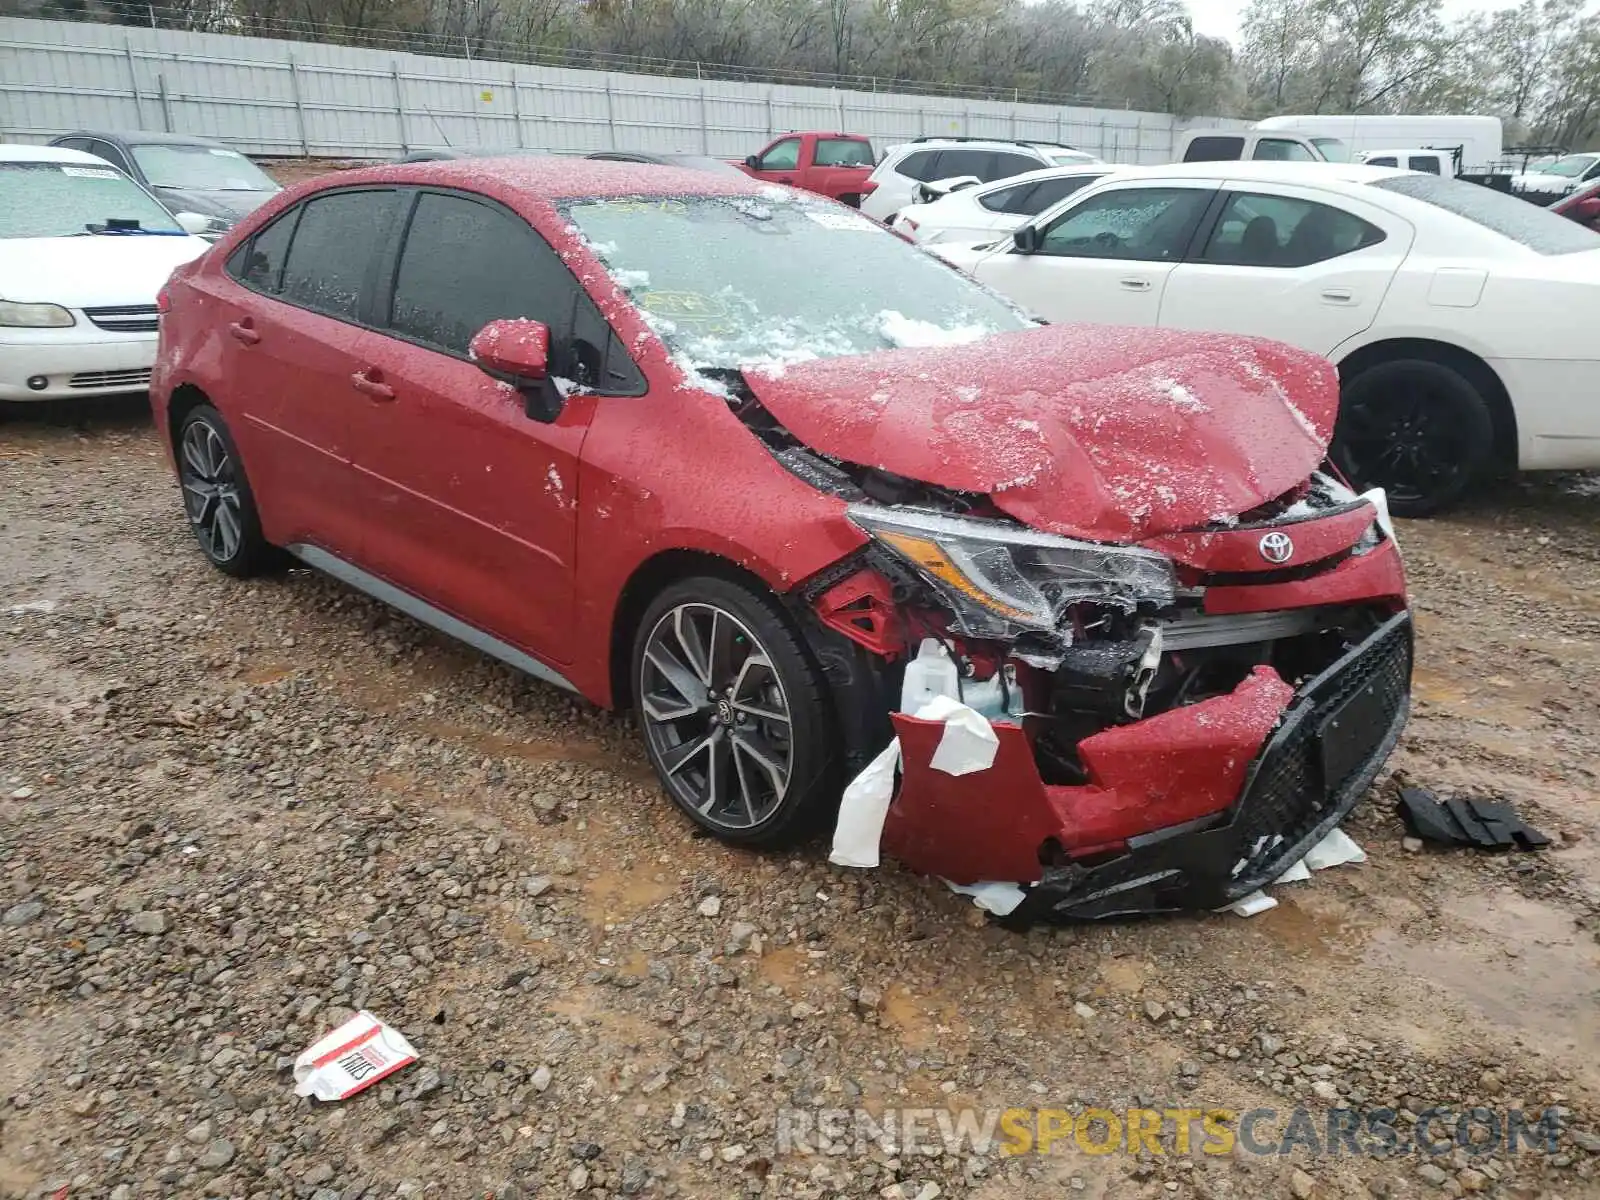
(834, 164)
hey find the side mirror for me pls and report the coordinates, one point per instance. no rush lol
(517, 352)
(752, 161)
(1026, 239)
(193, 222)
(1587, 209)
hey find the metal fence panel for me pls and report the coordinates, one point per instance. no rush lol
(266, 96)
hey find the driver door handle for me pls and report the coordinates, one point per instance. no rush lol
(244, 331)
(1135, 285)
(368, 386)
(1338, 295)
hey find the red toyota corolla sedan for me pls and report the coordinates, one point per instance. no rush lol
(728, 454)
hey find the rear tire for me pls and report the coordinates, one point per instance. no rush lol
(217, 498)
(1417, 428)
(735, 716)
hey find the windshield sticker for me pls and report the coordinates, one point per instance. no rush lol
(708, 314)
(839, 220)
(90, 172)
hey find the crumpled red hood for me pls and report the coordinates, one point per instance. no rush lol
(1097, 432)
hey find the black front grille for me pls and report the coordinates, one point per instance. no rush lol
(124, 318)
(1334, 737)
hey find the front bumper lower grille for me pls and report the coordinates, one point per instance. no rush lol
(135, 380)
(125, 318)
(1319, 760)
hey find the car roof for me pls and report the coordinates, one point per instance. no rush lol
(13, 152)
(1065, 171)
(1278, 172)
(553, 177)
(143, 137)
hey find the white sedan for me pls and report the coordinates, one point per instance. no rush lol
(993, 210)
(83, 252)
(1461, 318)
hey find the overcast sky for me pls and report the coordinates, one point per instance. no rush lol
(1220, 18)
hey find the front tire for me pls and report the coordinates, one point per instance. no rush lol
(1417, 428)
(217, 498)
(735, 715)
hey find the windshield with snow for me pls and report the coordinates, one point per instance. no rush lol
(56, 199)
(740, 281)
(1570, 167)
(201, 169)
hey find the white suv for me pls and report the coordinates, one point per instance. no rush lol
(926, 160)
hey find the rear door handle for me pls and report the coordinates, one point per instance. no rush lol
(245, 331)
(1135, 285)
(368, 386)
(1338, 295)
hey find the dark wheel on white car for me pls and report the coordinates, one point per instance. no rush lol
(735, 716)
(217, 497)
(1417, 428)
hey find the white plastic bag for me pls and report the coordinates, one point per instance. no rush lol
(969, 743)
(352, 1058)
(863, 809)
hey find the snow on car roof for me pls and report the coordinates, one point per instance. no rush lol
(555, 177)
(1282, 172)
(16, 153)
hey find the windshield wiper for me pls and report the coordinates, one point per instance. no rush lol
(117, 226)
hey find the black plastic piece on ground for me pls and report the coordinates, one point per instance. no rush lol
(1327, 748)
(1464, 821)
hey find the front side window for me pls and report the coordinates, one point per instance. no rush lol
(728, 282)
(1214, 149)
(466, 263)
(785, 156)
(1424, 163)
(1284, 231)
(1383, 160)
(1281, 150)
(65, 199)
(201, 169)
(1332, 149)
(335, 247)
(843, 152)
(1149, 224)
(108, 152)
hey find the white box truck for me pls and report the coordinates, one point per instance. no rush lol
(1479, 138)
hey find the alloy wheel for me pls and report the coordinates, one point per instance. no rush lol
(211, 491)
(1405, 441)
(716, 716)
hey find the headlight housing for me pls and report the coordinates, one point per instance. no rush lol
(1001, 578)
(34, 316)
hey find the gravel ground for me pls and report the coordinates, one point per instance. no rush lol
(232, 813)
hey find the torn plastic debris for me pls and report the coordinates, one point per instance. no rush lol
(1465, 821)
(998, 898)
(968, 744)
(1334, 850)
(351, 1059)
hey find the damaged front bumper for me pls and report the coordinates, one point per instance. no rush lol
(1187, 810)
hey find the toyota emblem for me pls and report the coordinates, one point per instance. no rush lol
(1277, 548)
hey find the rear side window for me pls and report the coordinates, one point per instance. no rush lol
(1052, 191)
(258, 264)
(1539, 229)
(968, 162)
(336, 244)
(843, 152)
(1214, 149)
(1284, 231)
(1010, 199)
(918, 165)
(1424, 163)
(1385, 160)
(1006, 165)
(466, 263)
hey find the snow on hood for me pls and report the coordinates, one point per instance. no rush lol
(92, 271)
(1089, 431)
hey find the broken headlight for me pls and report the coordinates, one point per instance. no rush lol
(1000, 577)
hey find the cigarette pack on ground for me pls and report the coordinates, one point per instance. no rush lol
(352, 1058)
